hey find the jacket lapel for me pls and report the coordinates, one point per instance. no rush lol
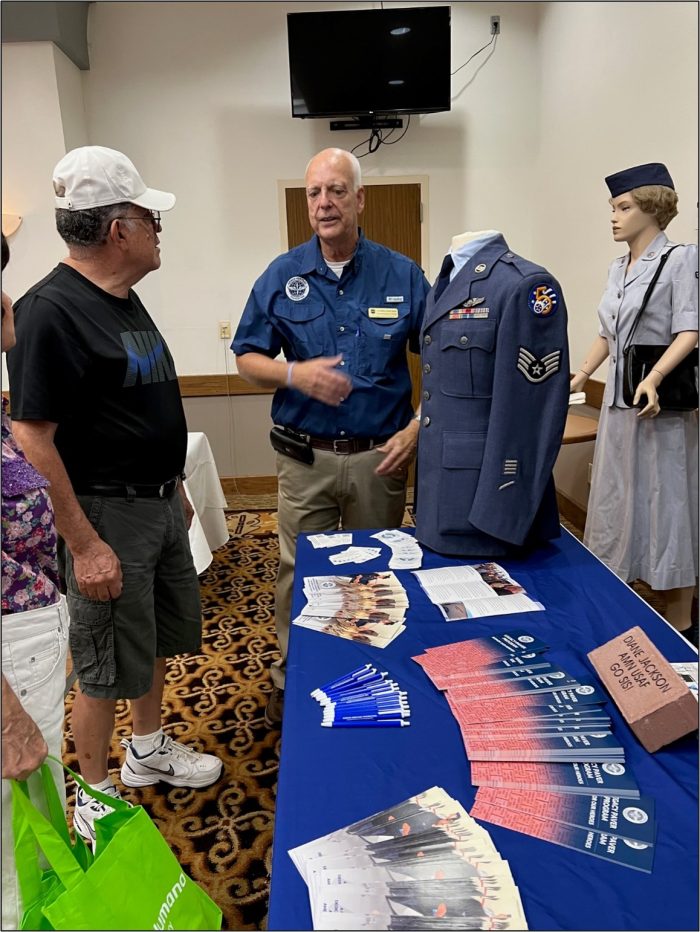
(466, 283)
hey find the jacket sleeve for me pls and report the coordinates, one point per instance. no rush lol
(530, 398)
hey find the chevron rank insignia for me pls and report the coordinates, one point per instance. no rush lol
(538, 370)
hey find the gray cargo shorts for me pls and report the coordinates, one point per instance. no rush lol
(114, 644)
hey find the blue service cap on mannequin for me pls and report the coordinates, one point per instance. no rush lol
(637, 177)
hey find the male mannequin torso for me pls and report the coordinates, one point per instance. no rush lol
(495, 394)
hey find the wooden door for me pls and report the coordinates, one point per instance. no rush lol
(392, 216)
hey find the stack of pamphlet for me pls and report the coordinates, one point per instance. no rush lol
(367, 607)
(533, 732)
(422, 864)
(406, 553)
(614, 828)
(365, 697)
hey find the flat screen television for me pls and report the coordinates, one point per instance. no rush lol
(361, 62)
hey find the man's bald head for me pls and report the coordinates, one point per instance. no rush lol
(336, 157)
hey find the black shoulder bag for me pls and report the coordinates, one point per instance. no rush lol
(679, 389)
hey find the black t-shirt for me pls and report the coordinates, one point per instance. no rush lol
(97, 366)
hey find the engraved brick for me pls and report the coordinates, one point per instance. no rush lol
(652, 697)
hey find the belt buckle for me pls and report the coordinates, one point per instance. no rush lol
(167, 488)
(337, 450)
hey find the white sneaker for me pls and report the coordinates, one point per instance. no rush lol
(88, 810)
(171, 762)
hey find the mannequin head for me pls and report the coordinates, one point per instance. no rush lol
(643, 202)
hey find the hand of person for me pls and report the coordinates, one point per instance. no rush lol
(186, 506)
(98, 572)
(23, 745)
(577, 382)
(648, 387)
(319, 379)
(398, 451)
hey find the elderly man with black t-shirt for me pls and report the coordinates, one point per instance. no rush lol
(96, 406)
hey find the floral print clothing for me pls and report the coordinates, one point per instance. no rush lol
(29, 566)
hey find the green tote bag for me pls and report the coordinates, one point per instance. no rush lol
(134, 880)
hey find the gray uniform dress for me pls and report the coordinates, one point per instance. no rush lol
(643, 507)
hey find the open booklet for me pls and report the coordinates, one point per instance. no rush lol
(476, 591)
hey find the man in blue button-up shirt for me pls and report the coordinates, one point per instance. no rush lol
(341, 309)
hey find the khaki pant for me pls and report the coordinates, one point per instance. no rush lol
(336, 491)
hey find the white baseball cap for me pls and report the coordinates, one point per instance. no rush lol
(94, 176)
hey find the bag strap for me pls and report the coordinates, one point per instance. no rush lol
(32, 829)
(32, 826)
(112, 801)
(26, 858)
(647, 295)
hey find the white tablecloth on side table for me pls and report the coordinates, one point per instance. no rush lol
(208, 530)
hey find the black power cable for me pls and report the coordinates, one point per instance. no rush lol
(379, 137)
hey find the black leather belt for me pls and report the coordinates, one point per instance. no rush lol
(129, 490)
(350, 445)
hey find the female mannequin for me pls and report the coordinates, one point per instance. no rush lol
(643, 510)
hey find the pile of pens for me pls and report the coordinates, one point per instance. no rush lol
(364, 697)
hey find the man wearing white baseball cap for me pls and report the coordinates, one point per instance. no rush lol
(96, 406)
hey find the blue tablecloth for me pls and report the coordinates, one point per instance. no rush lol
(331, 777)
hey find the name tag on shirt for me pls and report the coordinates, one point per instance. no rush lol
(383, 312)
(394, 299)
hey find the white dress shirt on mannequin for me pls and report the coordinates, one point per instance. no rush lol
(466, 245)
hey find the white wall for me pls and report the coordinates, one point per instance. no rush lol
(32, 143)
(618, 88)
(69, 82)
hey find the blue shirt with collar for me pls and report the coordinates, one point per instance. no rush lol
(299, 307)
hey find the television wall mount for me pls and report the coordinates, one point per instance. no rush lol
(369, 121)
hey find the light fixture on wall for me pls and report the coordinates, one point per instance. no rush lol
(10, 223)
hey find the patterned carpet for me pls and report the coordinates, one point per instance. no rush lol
(214, 702)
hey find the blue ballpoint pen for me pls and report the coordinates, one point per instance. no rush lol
(383, 723)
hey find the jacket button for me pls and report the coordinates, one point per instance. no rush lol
(427, 339)
(426, 396)
(426, 368)
(464, 340)
(426, 422)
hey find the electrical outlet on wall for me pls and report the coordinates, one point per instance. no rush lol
(495, 25)
(224, 330)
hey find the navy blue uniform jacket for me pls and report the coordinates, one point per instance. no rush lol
(495, 366)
